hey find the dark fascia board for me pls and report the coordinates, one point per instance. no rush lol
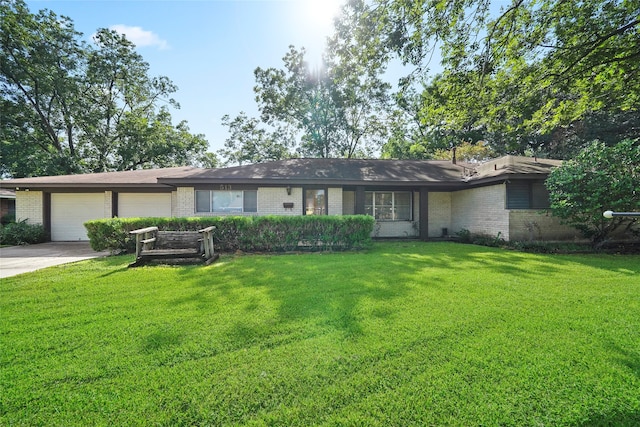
(504, 178)
(91, 187)
(297, 182)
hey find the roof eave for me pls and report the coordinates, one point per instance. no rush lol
(95, 186)
(293, 181)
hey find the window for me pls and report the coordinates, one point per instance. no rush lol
(388, 205)
(315, 202)
(527, 195)
(227, 201)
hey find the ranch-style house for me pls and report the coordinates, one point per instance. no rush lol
(422, 199)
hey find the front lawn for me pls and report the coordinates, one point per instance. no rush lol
(403, 334)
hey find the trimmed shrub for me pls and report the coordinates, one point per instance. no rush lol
(248, 234)
(21, 233)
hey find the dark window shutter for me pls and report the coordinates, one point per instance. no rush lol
(518, 195)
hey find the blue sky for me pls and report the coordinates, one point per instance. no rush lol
(209, 49)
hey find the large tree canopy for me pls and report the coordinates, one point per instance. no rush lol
(339, 108)
(250, 142)
(528, 75)
(600, 178)
(71, 107)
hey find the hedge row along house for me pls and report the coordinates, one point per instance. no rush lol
(421, 199)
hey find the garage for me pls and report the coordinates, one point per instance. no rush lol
(69, 212)
(131, 205)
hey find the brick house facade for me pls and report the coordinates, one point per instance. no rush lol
(410, 199)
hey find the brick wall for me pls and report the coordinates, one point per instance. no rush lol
(185, 202)
(529, 224)
(439, 214)
(108, 207)
(174, 203)
(271, 199)
(29, 206)
(334, 201)
(480, 210)
(396, 229)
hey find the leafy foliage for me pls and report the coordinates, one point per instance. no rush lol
(248, 234)
(72, 107)
(21, 233)
(249, 142)
(519, 76)
(600, 178)
(337, 108)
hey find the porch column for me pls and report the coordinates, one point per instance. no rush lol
(114, 204)
(424, 214)
(360, 199)
(46, 212)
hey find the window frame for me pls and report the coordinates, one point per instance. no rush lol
(326, 200)
(393, 206)
(211, 199)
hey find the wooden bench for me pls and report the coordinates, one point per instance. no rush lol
(173, 247)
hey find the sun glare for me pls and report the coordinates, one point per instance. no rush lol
(313, 20)
(322, 12)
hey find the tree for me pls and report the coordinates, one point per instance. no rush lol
(82, 107)
(600, 178)
(338, 108)
(359, 92)
(466, 152)
(522, 73)
(250, 143)
(302, 98)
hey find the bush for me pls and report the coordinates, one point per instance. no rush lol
(542, 247)
(8, 218)
(248, 234)
(466, 236)
(21, 233)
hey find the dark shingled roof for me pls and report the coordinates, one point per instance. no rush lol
(441, 174)
(136, 178)
(522, 167)
(328, 171)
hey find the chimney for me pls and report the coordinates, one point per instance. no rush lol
(453, 155)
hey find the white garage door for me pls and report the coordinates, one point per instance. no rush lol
(69, 212)
(144, 204)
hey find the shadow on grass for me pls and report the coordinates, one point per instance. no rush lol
(623, 419)
(341, 290)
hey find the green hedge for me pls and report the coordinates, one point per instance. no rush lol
(248, 234)
(21, 233)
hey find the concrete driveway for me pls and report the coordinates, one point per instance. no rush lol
(22, 259)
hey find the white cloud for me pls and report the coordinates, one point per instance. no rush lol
(140, 37)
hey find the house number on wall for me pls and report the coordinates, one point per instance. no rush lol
(225, 187)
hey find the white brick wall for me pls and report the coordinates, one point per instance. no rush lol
(185, 202)
(29, 205)
(480, 210)
(174, 203)
(395, 229)
(108, 198)
(271, 199)
(439, 213)
(528, 224)
(334, 201)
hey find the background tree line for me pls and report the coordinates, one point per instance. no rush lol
(73, 107)
(541, 77)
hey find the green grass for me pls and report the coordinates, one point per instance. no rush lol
(403, 334)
